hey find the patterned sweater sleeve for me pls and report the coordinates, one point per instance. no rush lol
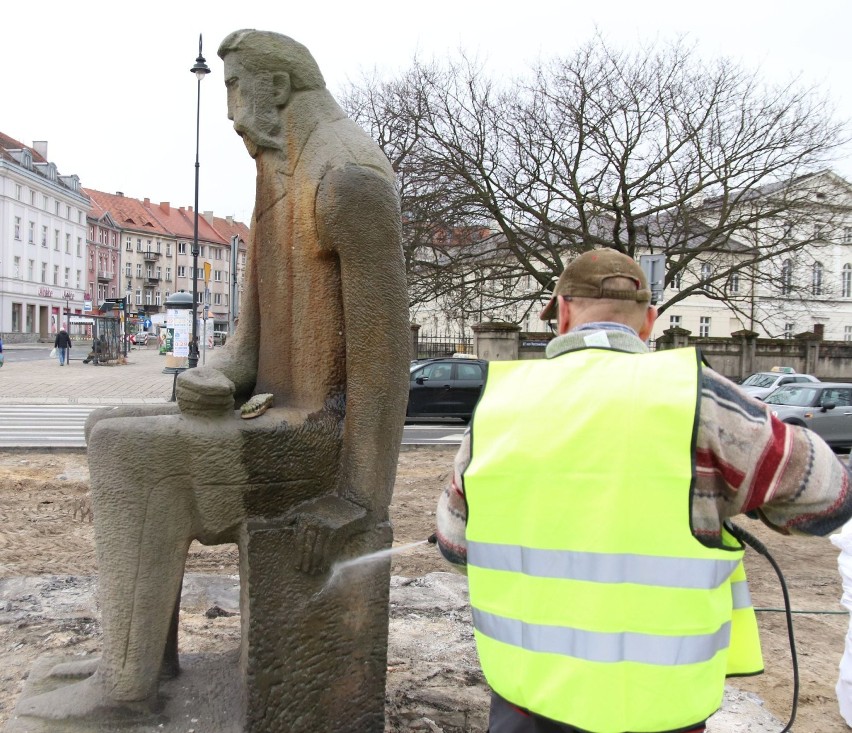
(748, 460)
(451, 515)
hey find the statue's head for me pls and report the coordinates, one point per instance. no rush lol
(262, 69)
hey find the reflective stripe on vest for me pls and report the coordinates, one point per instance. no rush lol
(586, 583)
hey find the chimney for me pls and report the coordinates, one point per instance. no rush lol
(230, 220)
(165, 206)
(119, 193)
(40, 146)
(147, 202)
(819, 330)
(208, 215)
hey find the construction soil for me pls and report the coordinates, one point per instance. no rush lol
(47, 559)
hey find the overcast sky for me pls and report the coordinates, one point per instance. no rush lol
(108, 84)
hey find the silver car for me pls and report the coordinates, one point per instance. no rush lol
(824, 407)
(764, 383)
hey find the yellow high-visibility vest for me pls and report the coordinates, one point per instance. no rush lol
(593, 604)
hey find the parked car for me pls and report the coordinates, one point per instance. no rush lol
(824, 407)
(448, 387)
(219, 338)
(761, 384)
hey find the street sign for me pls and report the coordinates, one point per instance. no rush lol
(87, 306)
(117, 304)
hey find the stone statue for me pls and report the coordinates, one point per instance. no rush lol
(324, 329)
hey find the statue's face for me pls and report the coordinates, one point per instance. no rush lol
(254, 100)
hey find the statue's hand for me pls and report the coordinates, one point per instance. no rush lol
(205, 391)
(323, 527)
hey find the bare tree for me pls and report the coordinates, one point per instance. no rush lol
(648, 151)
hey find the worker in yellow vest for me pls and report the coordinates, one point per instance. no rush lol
(588, 504)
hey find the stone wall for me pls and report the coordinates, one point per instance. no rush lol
(736, 356)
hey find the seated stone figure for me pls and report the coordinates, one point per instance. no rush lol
(324, 328)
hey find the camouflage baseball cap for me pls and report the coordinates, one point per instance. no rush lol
(586, 277)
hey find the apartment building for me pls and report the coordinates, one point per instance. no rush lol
(42, 241)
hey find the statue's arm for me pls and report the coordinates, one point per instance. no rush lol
(358, 217)
(237, 360)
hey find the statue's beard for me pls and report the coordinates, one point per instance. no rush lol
(264, 133)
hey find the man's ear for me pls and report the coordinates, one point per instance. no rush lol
(648, 325)
(563, 322)
(281, 88)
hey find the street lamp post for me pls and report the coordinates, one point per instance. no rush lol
(200, 69)
(68, 312)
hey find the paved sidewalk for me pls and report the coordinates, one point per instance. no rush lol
(41, 381)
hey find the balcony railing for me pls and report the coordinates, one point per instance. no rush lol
(150, 256)
(105, 275)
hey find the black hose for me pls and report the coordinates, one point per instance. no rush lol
(752, 541)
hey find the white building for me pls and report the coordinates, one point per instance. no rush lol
(780, 297)
(42, 242)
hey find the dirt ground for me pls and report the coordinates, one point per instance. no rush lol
(45, 530)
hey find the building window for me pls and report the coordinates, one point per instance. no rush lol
(56, 274)
(159, 246)
(67, 276)
(788, 331)
(816, 279)
(138, 297)
(56, 239)
(181, 248)
(786, 284)
(734, 282)
(168, 249)
(138, 269)
(79, 246)
(30, 269)
(32, 198)
(68, 212)
(138, 245)
(17, 267)
(44, 235)
(846, 281)
(847, 235)
(19, 191)
(56, 208)
(847, 333)
(706, 271)
(148, 296)
(68, 243)
(157, 298)
(704, 327)
(217, 276)
(181, 271)
(820, 231)
(674, 321)
(168, 274)
(217, 298)
(44, 272)
(18, 227)
(128, 246)
(79, 279)
(44, 202)
(16, 314)
(127, 271)
(32, 233)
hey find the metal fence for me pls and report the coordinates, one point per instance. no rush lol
(432, 346)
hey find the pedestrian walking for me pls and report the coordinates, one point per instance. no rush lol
(62, 344)
(589, 503)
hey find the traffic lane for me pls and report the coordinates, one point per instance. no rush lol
(433, 432)
(20, 355)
